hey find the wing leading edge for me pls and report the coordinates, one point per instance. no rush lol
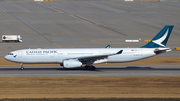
(95, 57)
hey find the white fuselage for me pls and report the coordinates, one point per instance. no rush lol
(33, 56)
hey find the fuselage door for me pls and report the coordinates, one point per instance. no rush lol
(138, 53)
(20, 54)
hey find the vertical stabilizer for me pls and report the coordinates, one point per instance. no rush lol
(160, 40)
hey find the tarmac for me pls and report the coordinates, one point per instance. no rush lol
(87, 24)
(55, 71)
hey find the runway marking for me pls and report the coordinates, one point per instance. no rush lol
(18, 23)
(26, 30)
(9, 17)
(23, 26)
(29, 26)
(58, 10)
(13, 20)
(63, 33)
(85, 19)
(30, 33)
(2, 9)
(56, 44)
(100, 25)
(112, 30)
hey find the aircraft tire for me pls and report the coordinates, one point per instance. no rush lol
(22, 68)
(90, 68)
(86, 67)
(93, 68)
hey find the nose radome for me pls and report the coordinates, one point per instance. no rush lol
(6, 57)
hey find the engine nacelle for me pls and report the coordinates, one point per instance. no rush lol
(71, 64)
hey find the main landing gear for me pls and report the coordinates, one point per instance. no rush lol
(90, 67)
(21, 66)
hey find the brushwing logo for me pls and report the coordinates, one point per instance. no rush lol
(160, 40)
(15, 56)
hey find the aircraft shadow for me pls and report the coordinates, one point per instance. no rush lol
(97, 68)
(137, 68)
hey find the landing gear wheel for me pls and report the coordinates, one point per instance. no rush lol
(86, 67)
(93, 68)
(90, 68)
(22, 68)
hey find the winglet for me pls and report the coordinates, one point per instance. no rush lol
(108, 46)
(119, 52)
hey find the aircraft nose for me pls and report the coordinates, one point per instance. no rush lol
(6, 57)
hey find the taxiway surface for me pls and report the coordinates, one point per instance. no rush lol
(85, 24)
(46, 71)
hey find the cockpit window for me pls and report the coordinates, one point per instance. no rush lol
(10, 54)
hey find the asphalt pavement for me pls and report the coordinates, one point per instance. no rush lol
(57, 71)
(86, 23)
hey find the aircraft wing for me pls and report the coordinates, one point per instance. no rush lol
(96, 57)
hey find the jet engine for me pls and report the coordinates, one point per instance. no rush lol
(71, 64)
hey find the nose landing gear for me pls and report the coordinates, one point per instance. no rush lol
(21, 66)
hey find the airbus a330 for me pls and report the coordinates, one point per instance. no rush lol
(76, 57)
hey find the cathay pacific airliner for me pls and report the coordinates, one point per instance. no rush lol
(76, 57)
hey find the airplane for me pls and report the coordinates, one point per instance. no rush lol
(77, 57)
